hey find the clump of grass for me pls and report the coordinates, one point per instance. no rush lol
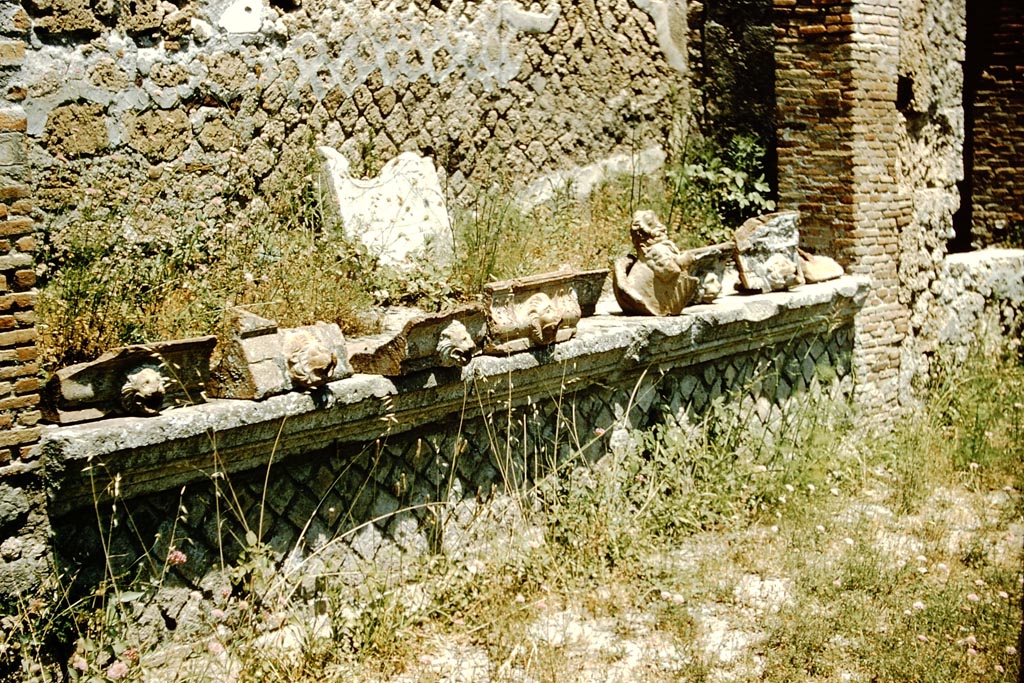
(109, 283)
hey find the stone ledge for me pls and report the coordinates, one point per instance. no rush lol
(191, 443)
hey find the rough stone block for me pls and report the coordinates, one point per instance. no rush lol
(12, 52)
(76, 130)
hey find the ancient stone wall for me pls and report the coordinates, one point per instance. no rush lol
(997, 94)
(929, 167)
(181, 115)
(371, 470)
(23, 524)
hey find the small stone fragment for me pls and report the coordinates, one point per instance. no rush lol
(819, 268)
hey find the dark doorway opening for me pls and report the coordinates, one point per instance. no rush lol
(981, 22)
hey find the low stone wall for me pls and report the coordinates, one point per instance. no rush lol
(395, 466)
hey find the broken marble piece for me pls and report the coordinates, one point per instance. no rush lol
(400, 215)
(656, 280)
(431, 340)
(255, 359)
(818, 268)
(766, 252)
(714, 266)
(535, 311)
(140, 379)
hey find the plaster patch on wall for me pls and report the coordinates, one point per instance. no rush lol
(670, 20)
(482, 44)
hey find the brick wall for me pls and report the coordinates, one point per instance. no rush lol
(836, 78)
(24, 528)
(19, 384)
(812, 86)
(997, 55)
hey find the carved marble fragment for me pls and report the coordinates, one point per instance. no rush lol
(766, 252)
(400, 215)
(430, 340)
(135, 380)
(656, 280)
(143, 391)
(255, 359)
(455, 345)
(714, 266)
(538, 310)
(310, 362)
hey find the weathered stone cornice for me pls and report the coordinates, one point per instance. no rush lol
(193, 443)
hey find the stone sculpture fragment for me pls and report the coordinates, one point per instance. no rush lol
(255, 359)
(766, 252)
(656, 280)
(430, 340)
(139, 379)
(538, 310)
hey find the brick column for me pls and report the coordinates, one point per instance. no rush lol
(836, 76)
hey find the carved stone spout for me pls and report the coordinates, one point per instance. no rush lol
(455, 345)
(538, 310)
(310, 362)
(143, 391)
(544, 319)
(656, 281)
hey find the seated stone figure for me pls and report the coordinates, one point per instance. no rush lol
(656, 281)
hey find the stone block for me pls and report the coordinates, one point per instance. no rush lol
(134, 380)
(259, 360)
(433, 340)
(77, 130)
(12, 52)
